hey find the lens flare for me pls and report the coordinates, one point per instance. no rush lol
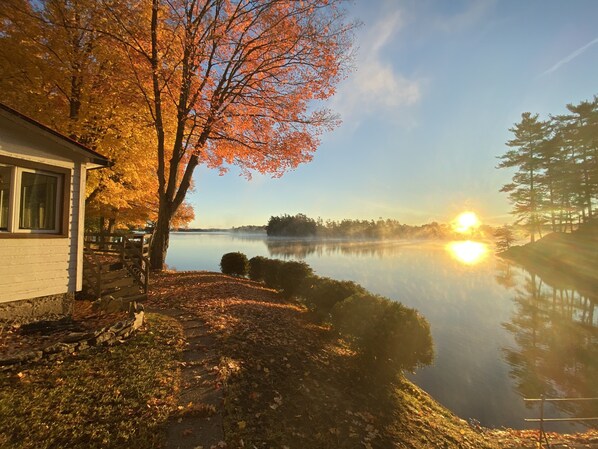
(468, 253)
(466, 222)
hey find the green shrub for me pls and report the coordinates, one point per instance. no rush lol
(291, 276)
(256, 268)
(234, 263)
(388, 336)
(271, 272)
(321, 293)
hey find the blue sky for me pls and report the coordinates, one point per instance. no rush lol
(436, 86)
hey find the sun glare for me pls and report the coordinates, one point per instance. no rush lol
(466, 222)
(468, 252)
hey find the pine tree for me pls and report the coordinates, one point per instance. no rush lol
(525, 192)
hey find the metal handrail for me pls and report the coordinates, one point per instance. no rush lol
(542, 400)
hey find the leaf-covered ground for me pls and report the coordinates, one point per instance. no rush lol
(289, 383)
(105, 397)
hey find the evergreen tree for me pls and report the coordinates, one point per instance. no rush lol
(526, 154)
(580, 130)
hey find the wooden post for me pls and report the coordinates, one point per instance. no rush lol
(541, 422)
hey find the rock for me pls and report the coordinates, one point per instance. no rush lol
(126, 330)
(102, 338)
(75, 337)
(56, 348)
(138, 322)
(118, 326)
(35, 356)
(23, 357)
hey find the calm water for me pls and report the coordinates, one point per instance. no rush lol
(500, 333)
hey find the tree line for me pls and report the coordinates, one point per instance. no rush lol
(162, 86)
(555, 184)
(300, 225)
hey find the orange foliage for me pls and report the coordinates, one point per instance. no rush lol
(220, 82)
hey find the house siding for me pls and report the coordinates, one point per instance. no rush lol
(49, 265)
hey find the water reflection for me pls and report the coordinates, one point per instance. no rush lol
(302, 248)
(468, 252)
(555, 330)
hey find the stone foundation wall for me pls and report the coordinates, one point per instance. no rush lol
(37, 309)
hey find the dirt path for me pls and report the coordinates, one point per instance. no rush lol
(199, 423)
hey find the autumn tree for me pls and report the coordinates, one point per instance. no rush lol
(230, 83)
(56, 67)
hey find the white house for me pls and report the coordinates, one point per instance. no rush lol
(42, 207)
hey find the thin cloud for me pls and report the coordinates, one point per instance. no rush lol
(376, 84)
(473, 14)
(569, 58)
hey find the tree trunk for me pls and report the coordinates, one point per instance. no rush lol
(111, 225)
(160, 239)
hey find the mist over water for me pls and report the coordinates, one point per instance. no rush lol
(500, 333)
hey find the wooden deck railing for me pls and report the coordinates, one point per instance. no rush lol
(132, 251)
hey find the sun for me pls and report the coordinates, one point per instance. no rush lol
(466, 222)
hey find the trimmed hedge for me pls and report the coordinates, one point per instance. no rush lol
(272, 268)
(386, 334)
(321, 293)
(291, 275)
(234, 263)
(257, 268)
(278, 274)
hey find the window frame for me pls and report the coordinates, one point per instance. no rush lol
(63, 175)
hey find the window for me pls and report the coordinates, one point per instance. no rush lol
(39, 201)
(30, 200)
(5, 177)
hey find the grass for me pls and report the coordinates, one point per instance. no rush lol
(105, 397)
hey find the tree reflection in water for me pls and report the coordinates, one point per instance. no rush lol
(555, 329)
(300, 249)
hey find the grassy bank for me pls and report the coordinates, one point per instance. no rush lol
(568, 259)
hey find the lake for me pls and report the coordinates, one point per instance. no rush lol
(500, 332)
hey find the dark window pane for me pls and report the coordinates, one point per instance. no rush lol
(38, 202)
(5, 174)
